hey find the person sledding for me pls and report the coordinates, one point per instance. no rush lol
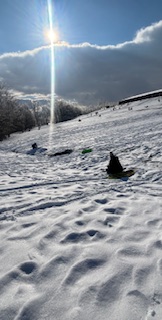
(114, 166)
(115, 169)
(34, 146)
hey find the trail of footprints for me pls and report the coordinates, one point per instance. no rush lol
(103, 217)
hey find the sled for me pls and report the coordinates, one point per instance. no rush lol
(123, 174)
(86, 150)
(36, 150)
(60, 153)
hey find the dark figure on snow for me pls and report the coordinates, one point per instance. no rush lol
(114, 165)
(34, 145)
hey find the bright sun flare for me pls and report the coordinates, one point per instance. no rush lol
(51, 36)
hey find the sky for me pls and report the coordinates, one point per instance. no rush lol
(107, 50)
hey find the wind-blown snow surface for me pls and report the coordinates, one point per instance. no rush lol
(73, 243)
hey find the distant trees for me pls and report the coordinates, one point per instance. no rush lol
(66, 111)
(41, 114)
(18, 117)
(13, 117)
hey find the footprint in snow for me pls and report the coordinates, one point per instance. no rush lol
(83, 236)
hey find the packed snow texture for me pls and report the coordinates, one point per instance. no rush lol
(74, 244)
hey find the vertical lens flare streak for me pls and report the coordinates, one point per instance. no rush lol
(50, 15)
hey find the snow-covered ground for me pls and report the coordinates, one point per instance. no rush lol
(75, 245)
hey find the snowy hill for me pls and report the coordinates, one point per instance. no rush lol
(74, 244)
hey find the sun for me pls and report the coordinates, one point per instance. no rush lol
(51, 36)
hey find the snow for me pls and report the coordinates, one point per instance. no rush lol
(73, 243)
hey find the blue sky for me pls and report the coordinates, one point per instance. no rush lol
(96, 71)
(99, 22)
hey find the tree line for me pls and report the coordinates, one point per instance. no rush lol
(13, 117)
(19, 117)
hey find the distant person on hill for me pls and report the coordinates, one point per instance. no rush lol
(114, 165)
(34, 145)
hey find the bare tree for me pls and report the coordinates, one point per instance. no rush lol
(13, 117)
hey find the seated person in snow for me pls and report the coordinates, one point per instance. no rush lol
(114, 165)
(34, 145)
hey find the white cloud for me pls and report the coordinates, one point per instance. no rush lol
(89, 73)
(24, 54)
(149, 33)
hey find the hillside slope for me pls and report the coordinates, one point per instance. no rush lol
(73, 243)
